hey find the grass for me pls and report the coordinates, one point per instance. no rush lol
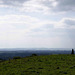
(39, 65)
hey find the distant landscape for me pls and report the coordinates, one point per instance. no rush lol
(6, 53)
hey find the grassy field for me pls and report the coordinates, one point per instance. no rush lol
(39, 65)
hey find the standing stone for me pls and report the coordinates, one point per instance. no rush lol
(72, 51)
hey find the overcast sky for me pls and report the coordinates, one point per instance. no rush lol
(37, 23)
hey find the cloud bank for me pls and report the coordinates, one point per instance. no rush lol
(45, 6)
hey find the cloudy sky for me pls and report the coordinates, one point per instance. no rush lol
(37, 23)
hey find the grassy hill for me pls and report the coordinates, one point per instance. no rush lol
(39, 65)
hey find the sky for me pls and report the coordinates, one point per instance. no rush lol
(37, 23)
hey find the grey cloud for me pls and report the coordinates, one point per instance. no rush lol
(12, 2)
(69, 22)
(61, 6)
(52, 5)
(65, 5)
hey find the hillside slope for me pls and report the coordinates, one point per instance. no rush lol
(39, 65)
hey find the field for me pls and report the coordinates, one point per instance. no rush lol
(61, 64)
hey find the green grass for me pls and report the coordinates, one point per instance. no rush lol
(39, 65)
